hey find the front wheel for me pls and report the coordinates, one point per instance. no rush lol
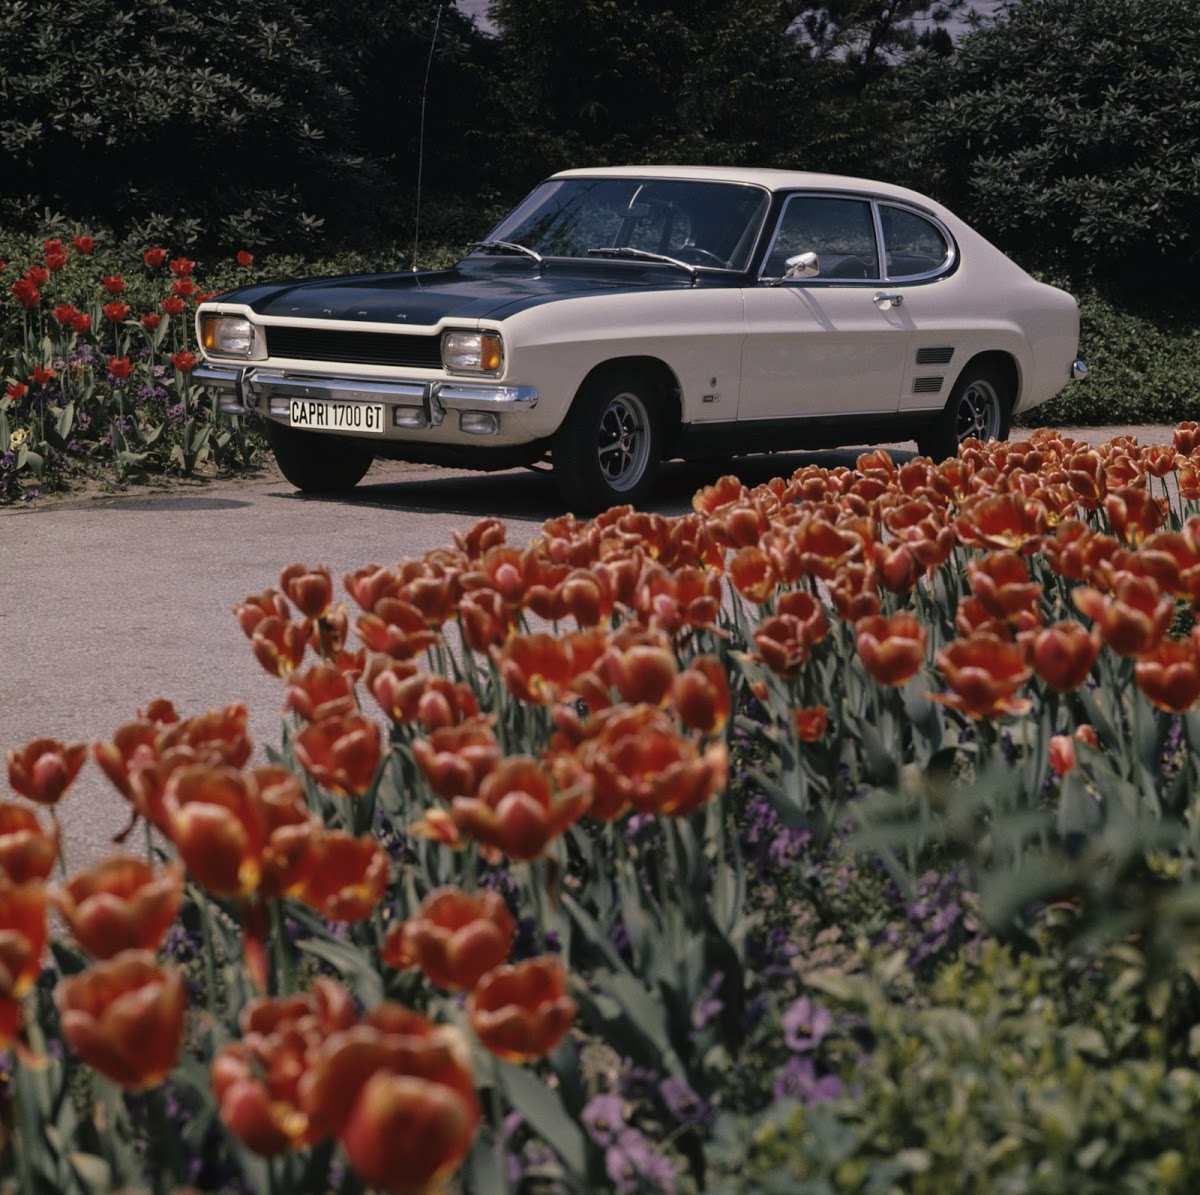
(978, 408)
(317, 464)
(608, 449)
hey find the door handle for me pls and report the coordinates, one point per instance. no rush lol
(887, 302)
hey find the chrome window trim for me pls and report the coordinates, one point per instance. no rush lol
(877, 203)
(951, 259)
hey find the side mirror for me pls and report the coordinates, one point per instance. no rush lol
(804, 265)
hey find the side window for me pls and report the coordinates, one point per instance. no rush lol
(915, 246)
(840, 232)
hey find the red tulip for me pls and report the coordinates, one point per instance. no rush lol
(121, 904)
(341, 753)
(44, 769)
(125, 1018)
(522, 1012)
(456, 938)
(27, 850)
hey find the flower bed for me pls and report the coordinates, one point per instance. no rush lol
(96, 353)
(839, 836)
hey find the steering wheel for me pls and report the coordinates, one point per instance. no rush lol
(701, 255)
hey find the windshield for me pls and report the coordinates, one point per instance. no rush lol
(707, 224)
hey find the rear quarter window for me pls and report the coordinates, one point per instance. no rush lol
(914, 246)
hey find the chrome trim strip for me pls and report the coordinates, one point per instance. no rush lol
(248, 385)
(454, 396)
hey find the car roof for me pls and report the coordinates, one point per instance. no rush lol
(771, 179)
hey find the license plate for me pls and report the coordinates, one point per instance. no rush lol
(320, 415)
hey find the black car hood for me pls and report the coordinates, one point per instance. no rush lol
(469, 291)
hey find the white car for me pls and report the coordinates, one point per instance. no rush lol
(620, 317)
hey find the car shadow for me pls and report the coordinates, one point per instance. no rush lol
(530, 494)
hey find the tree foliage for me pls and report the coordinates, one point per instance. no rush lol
(763, 82)
(1079, 119)
(145, 114)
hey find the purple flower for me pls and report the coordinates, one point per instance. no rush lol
(787, 846)
(638, 1083)
(709, 1005)
(805, 1025)
(633, 1164)
(684, 1104)
(798, 1080)
(604, 1118)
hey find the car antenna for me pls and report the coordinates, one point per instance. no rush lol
(421, 135)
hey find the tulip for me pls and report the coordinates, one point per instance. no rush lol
(456, 938)
(701, 695)
(397, 628)
(125, 1018)
(455, 759)
(215, 819)
(641, 673)
(44, 769)
(256, 1080)
(311, 590)
(517, 810)
(1000, 580)
(23, 936)
(1169, 675)
(1133, 514)
(268, 604)
(1134, 619)
(348, 877)
(636, 758)
(811, 723)
(27, 850)
(322, 691)
(522, 1012)
(892, 649)
(536, 667)
(121, 904)
(999, 520)
(341, 753)
(984, 672)
(1064, 653)
(752, 574)
(279, 645)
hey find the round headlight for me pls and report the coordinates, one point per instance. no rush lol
(232, 335)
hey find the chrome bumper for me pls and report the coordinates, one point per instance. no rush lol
(244, 388)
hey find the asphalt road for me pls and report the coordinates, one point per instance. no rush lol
(109, 601)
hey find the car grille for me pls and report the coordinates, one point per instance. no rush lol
(355, 348)
(926, 385)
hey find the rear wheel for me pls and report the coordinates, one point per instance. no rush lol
(315, 463)
(609, 447)
(978, 408)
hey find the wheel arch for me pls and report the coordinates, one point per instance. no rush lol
(667, 391)
(1005, 364)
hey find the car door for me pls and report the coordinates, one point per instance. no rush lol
(831, 343)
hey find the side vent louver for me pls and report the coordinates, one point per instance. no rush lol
(927, 385)
(934, 356)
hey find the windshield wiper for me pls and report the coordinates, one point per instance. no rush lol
(642, 255)
(509, 247)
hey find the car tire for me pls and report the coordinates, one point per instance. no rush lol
(317, 464)
(608, 450)
(979, 407)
